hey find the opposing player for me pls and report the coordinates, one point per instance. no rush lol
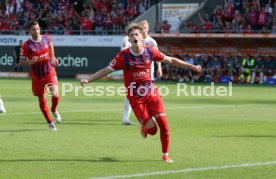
(38, 52)
(141, 91)
(2, 107)
(147, 41)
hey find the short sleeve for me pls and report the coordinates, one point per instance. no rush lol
(157, 55)
(24, 52)
(117, 63)
(49, 39)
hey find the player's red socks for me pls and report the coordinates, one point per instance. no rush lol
(55, 101)
(152, 131)
(164, 133)
(44, 109)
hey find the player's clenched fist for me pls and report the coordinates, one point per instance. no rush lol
(83, 82)
(197, 69)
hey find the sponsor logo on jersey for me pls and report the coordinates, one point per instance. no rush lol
(113, 63)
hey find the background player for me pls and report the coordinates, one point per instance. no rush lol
(147, 41)
(16, 54)
(141, 92)
(38, 52)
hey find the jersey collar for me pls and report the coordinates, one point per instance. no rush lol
(36, 40)
(136, 54)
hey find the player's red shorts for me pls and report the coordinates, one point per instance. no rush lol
(146, 107)
(38, 85)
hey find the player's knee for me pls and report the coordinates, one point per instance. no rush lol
(152, 131)
(149, 124)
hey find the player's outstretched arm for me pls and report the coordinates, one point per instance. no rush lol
(99, 74)
(159, 70)
(25, 61)
(179, 63)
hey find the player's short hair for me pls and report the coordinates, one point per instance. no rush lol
(128, 26)
(32, 23)
(135, 26)
(144, 22)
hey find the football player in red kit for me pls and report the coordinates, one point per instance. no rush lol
(141, 91)
(38, 52)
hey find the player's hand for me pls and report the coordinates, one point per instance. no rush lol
(159, 73)
(83, 82)
(55, 61)
(197, 69)
(33, 60)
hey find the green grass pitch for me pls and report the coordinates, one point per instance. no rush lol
(91, 142)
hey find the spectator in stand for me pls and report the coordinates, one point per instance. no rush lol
(252, 18)
(270, 68)
(98, 19)
(238, 22)
(166, 27)
(218, 13)
(217, 66)
(158, 27)
(141, 6)
(248, 64)
(132, 12)
(263, 19)
(229, 10)
(75, 26)
(86, 25)
(258, 70)
(219, 25)
(190, 27)
(227, 65)
(238, 5)
(108, 25)
(189, 74)
(205, 23)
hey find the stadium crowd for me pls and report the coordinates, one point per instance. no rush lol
(238, 16)
(224, 68)
(69, 16)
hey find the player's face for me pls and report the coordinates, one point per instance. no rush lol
(135, 37)
(146, 29)
(35, 32)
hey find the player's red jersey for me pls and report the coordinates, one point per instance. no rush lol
(137, 69)
(41, 50)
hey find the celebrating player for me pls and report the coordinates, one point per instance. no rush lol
(38, 52)
(141, 91)
(147, 41)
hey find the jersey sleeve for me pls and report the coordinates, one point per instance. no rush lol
(154, 43)
(117, 63)
(24, 52)
(49, 39)
(157, 55)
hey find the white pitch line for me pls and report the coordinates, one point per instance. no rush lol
(186, 170)
(120, 109)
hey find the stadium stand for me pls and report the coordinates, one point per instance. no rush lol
(108, 17)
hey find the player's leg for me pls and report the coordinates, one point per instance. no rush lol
(156, 108)
(45, 111)
(39, 91)
(2, 107)
(126, 113)
(148, 126)
(52, 85)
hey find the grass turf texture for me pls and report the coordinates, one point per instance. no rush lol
(91, 142)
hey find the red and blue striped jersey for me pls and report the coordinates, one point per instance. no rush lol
(137, 68)
(41, 51)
